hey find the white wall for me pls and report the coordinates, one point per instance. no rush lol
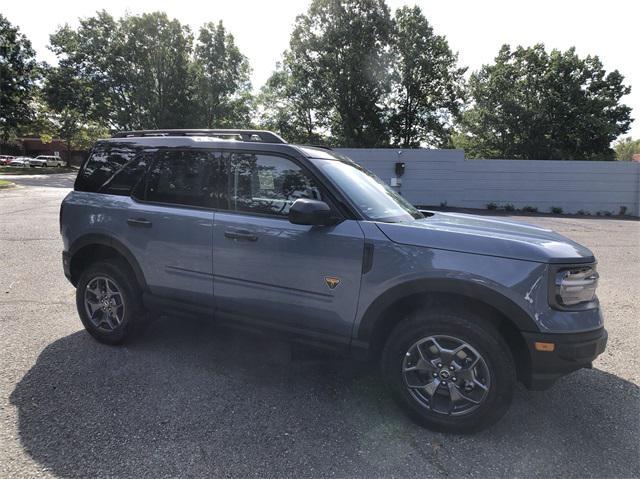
(435, 176)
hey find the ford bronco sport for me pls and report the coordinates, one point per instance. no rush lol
(241, 226)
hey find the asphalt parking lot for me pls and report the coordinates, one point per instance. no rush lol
(189, 399)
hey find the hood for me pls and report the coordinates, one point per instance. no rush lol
(487, 236)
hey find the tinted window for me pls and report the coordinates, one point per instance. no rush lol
(181, 178)
(268, 184)
(126, 178)
(109, 162)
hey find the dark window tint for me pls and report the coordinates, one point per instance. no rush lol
(268, 184)
(182, 178)
(112, 168)
(126, 178)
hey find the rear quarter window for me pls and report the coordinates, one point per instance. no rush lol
(112, 169)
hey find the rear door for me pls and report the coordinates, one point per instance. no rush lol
(170, 225)
(268, 271)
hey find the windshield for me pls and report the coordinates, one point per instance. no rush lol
(375, 200)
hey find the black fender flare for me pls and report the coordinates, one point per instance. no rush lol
(469, 289)
(106, 240)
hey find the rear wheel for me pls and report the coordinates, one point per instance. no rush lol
(451, 371)
(109, 302)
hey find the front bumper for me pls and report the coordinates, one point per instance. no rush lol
(572, 351)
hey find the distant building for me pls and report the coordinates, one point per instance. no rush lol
(34, 146)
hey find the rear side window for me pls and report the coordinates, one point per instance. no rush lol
(182, 178)
(112, 168)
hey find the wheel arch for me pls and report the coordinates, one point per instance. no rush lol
(92, 247)
(394, 305)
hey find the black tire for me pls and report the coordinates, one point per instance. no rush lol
(475, 332)
(133, 316)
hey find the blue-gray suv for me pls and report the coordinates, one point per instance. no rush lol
(245, 228)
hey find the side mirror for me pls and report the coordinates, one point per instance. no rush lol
(310, 212)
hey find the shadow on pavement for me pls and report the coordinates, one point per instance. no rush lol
(191, 399)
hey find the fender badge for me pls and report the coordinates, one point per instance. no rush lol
(332, 281)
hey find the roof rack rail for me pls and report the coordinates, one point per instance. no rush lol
(258, 136)
(322, 147)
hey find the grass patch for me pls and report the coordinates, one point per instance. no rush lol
(5, 184)
(13, 170)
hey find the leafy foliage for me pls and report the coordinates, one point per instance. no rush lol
(157, 53)
(354, 76)
(19, 73)
(626, 148)
(339, 53)
(143, 72)
(427, 85)
(531, 104)
(223, 87)
(287, 104)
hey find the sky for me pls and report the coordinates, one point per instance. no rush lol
(475, 29)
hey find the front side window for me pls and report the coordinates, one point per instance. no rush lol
(375, 200)
(266, 184)
(181, 178)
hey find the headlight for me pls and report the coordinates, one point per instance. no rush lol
(575, 286)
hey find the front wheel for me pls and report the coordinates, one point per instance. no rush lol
(449, 371)
(109, 302)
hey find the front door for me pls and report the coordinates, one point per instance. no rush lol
(302, 279)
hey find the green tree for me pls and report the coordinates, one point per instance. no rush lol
(144, 71)
(531, 104)
(19, 73)
(625, 148)
(71, 109)
(91, 73)
(340, 49)
(288, 105)
(157, 51)
(427, 83)
(222, 77)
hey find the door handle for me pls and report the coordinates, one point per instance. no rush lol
(139, 222)
(240, 234)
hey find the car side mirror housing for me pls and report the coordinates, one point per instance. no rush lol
(304, 211)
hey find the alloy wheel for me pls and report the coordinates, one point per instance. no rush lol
(446, 375)
(104, 303)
